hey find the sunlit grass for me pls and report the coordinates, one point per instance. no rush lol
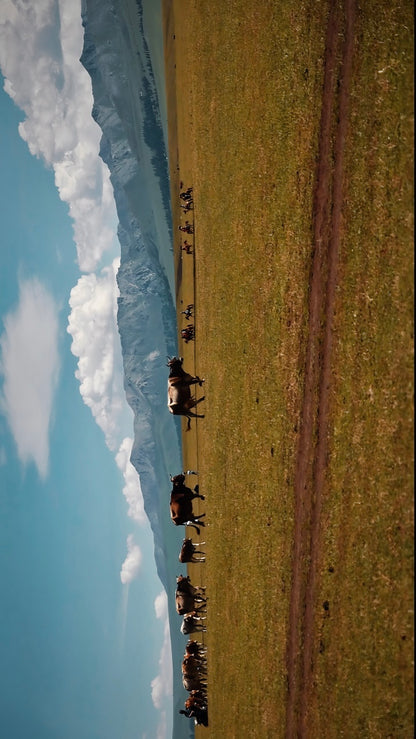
(249, 80)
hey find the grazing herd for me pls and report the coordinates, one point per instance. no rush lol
(190, 600)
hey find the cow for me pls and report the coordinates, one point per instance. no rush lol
(196, 698)
(195, 649)
(192, 623)
(184, 585)
(187, 207)
(193, 683)
(188, 311)
(188, 333)
(193, 666)
(186, 194)
(198, 695)
(186, 603)
(181, 498)
(200, 715)
(193, 678)
(192, 702)
(193, 671)
(180, 401)
(189, 553)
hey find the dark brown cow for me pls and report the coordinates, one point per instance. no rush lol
(181, 498)
(197, 653)
(196, 702)
(180, 401)
(195, 649)
(186, 603)
(188, 333)
(189, 553)
(184, 585)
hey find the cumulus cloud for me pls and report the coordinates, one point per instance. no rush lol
(96, 344)
(162, 684)
(30, 368)
(131, 565)
(162, 727)
(40, 46)
(132, 490)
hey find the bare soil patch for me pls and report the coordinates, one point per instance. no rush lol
(313, 437)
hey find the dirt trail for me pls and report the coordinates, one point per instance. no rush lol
(313, 438)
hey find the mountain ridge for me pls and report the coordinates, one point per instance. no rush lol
(133, 146)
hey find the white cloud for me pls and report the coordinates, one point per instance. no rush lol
(40, 46)
(161, 606)
(132, 490)
(30, 367)
(162, 727)
(131, 565)
(96, 344)
(162, 684)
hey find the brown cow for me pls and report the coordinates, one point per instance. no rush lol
(189, 553)
(184, 585)
(181, 498)
(186, 603)
(180, 400)
(193, 683)
(195, 649)
(198, 655)
(192, 665)
(194, 702)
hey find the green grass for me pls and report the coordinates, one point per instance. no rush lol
(249, 85)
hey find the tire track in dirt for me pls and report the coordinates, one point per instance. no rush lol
(313, 437)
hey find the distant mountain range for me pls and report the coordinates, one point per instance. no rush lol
(123, 46)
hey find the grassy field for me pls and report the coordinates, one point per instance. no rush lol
(244, 102)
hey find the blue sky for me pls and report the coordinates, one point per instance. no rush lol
(84, 642)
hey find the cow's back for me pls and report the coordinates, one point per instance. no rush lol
(180, 508)
(178, 393)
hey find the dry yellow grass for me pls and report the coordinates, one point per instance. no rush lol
(244, 103)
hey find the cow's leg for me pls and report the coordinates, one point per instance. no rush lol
(195, 402)
(199, 598)
(190, 523)
(191, 414)
(202, 607)
(197, 381)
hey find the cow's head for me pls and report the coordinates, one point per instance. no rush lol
(172, 361)
(177, 479)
